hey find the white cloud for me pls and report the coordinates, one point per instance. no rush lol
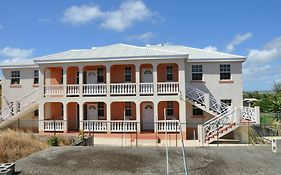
(81, 14)
(128, 13)
(271, 51)
(16, 52)
(211, 48)
(147, 36)
(238, 39)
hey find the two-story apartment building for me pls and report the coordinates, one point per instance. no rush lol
(125, 88)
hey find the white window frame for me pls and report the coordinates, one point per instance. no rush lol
(170, 106)
(36, 76)
(197, 71)
(223, 70)
(15, 76)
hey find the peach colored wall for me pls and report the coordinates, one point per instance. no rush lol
(72, 116)
(143, 66)
(55, 111)
(162, 105)
(117, 73)
(71, 75)
(87, 68)
(55, 75)
(117, 111)
(161, 72)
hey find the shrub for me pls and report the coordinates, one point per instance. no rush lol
(53, 141)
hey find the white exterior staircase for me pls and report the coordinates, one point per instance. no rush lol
(18, 109)
(226, 118)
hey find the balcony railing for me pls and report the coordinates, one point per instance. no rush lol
(94, 89)
(123, 88)
(146, 88)
(53, 125)
(168, 88)
(123, 126)
(115, 89)
(95, 125)
(53, 89)
(168, 125)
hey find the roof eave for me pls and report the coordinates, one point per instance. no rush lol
(18, 66)
(183, 56)
(216, 59)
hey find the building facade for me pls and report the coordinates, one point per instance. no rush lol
(124, 88)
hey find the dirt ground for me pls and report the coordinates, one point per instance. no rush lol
(151, 160)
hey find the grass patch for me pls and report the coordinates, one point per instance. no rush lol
(267, 119)
(15, 145)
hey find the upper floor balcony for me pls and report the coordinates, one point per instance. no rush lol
(101, 80)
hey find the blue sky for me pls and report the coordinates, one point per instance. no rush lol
(252, 28)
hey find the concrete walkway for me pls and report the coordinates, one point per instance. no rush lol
(150, 160)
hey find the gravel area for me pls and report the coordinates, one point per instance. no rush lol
(150, 160)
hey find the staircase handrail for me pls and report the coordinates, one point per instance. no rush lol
(195, 94)
(24, 102)
(212, 126)
(249, 114)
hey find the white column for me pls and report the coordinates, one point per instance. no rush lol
(138, 116)
(155, 107)
(64, 117)
(155, 78)
(80, 81)
(64, 69)
(137, 69)
(257, 112)
(81, 115)
(41, 117)
(108, 116)
(182, 103)
(108, 79)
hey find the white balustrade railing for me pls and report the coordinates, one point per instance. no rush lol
(195, 94)
(94, 89)
(123, 126)
(53, 89)
(250, 114)
(53, 125)
(146, 88)
(168, 88)
(123, 88)
(168, 125)
(95, 125)
(6, 113)
(73, 89)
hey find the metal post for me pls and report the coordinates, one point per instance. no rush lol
(167, 152)
(183, 151)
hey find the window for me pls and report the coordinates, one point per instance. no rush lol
(77, 77)
(36, 77)
(128, 74)
(170, 109)
(225, 72)
(15, 77)
(196, 111)
(100, 75)
(197, 72)
(101, 109)
(128, 110)
(226, 101)
(61, 77)
(169, 73)
(36, 113)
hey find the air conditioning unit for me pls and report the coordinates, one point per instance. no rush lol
(276, 145)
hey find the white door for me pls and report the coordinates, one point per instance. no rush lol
(92, 112)
(147, 76)
(92, 77)
(148, 118)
